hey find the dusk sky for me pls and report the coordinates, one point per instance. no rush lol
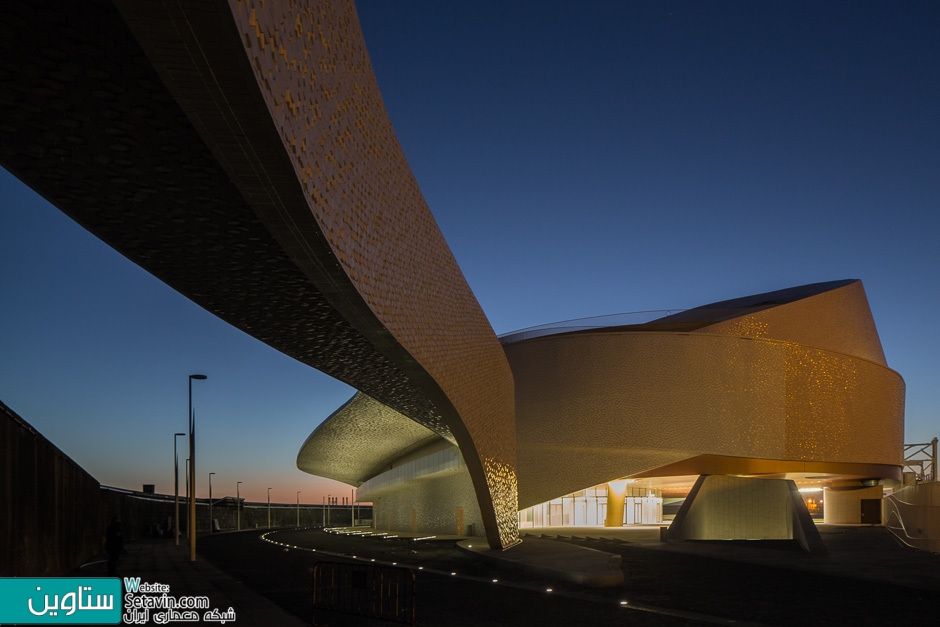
(581, 159)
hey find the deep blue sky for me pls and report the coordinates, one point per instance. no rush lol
(581, 159)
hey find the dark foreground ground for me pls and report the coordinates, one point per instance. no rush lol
(866, 579)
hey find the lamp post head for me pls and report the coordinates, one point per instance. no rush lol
(198, 377)
(176, 435)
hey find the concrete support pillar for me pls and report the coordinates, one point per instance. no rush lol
(616, 497)
(723, 507)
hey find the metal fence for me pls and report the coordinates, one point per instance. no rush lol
(383, 592)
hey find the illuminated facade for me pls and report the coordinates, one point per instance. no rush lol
(612, 421)
(240, 152)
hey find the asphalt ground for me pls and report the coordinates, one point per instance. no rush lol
(678, 584)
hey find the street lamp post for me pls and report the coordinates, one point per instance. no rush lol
(210, 501)
(176, 490)
(269, 508)
(192, 469)
(238, 507)
(329, 501)
(298, 509)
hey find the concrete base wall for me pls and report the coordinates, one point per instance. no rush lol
(913, 515)
(844, 507)
(430, 505)
(49, 520)
(726, 507)
(738, 508)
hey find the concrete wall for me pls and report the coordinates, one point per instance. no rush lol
(727, 507)
(48, 505)
(913, 515)
(844, 507)
(738, 508)
(431, 504)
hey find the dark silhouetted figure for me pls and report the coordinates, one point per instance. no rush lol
(114, 544)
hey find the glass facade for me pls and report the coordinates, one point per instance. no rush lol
(588, 508)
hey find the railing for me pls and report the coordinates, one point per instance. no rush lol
(585, 324)
(913, 516)
(382, 592)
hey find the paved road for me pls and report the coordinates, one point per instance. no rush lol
(777, 586)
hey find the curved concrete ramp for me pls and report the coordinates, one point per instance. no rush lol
(556, 560)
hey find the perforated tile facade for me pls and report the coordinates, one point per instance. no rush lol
(739, 395)
(608, 404)
(313, 69)
(242, 154)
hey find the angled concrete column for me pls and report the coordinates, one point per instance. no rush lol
(726, 507)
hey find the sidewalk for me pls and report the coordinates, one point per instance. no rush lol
(555, 560)
(544, 558)
(854, 551)
(160, 561)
